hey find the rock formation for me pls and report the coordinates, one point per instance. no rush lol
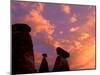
(22, 50)
(61, 63)
(44, 64)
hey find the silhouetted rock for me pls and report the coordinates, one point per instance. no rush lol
(62, 52)
(61, 63)
(44, 55)
(21, 28)
(22, 50)
(44, 64)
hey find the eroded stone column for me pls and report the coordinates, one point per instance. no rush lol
(44, 64)
(61, 63)
(22, 50)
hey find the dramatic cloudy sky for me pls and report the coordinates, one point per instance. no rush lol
(71, 27)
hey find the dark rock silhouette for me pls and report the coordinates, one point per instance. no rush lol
(22, 50)
(44, 64)
(61, 52)
(61, 63)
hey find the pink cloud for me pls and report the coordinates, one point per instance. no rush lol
(73, 18)
(73, 29)
(61, 32)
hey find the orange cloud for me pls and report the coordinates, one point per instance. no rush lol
(85, 55)
(66, 9)
(90, 53)
(56, 44)
(38, 23)
(84, 36)
(77, 44)
(73, 29)
(83, 48)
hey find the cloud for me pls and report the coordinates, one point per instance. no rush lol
(91, 19)
(61, 32)
(39, 7)
(66, 9)
(84, 36)
(90, 22)
(73, 18)
(79, 49)
(83, 47)
(37, 22)
(40, 23)
(73, 29)
(77, 44)
(85, 53)
(27, 5)
(56, 44)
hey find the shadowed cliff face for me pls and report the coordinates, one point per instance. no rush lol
(22, 50)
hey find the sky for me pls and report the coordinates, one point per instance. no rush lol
(69, 26)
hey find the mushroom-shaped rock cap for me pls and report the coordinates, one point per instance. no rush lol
(21, 27)
(44, 55)
(61, 52)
